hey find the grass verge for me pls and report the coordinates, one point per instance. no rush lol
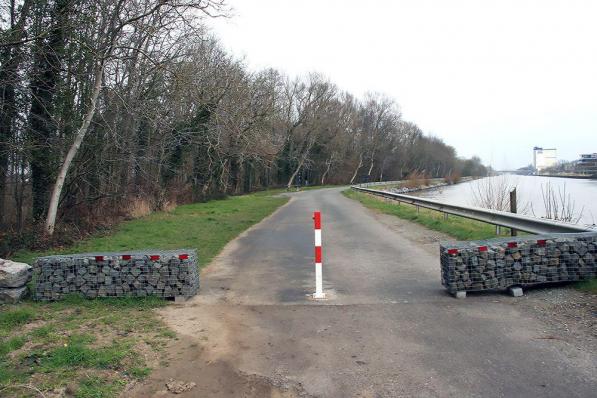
(78, 347)
(206, 227)
(457, 227)
(93, 348)
(589, 286)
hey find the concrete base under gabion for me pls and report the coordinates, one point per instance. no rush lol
(506, 262)
(167, 274)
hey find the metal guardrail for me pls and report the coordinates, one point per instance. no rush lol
(509, 220)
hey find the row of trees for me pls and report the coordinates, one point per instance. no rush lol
(108, 106)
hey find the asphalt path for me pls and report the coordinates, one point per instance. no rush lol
(387, 329)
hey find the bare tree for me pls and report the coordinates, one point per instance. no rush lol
(114, 19)
(306, 104)
(494, 193)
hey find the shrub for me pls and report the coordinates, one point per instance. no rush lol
(452, 178)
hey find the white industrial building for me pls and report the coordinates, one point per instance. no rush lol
(544, 158)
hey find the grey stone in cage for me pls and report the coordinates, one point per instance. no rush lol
(168, 274)
(524, 261)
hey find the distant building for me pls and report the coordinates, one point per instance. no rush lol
(544, 158)
(587, 164)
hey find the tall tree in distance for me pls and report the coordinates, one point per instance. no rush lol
(12, 43)
(48, 54)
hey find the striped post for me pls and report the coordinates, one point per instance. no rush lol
(319, 294)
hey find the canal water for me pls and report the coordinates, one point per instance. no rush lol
(582, 193)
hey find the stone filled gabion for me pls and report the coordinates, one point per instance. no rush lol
(149, 273)
(505, 262)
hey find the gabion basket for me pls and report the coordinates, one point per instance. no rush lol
(507, 262)
(161, 273)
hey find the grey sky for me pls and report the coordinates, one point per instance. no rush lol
(492, 78)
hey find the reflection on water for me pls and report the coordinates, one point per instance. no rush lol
(583, 194)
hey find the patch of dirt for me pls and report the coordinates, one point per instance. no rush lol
(569, 315)
(215, 378)
(150, 355)
(29, 326)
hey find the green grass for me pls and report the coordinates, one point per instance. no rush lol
(43, 332)
(66, 342)
(206, 227)
(13, 319)
(457, 227)
(140, 372)
(589, 286)
(93, 346)
(96, 387)
(79, 355)
(11, 344)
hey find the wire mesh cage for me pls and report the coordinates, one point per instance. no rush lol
(162, 273)
(506, 262)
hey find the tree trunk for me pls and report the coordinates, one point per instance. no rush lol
(10, 60)
(7, 93)
(357, 169)
(383, 166)
(370, 169)
(48, 55)
(72, 152)
(304, 157)
(19, 191)
(329, 165)
(298, 168)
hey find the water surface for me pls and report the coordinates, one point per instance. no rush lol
(583, 194)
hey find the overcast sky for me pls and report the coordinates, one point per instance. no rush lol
(492, 78)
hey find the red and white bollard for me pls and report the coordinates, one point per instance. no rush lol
(319, 294)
